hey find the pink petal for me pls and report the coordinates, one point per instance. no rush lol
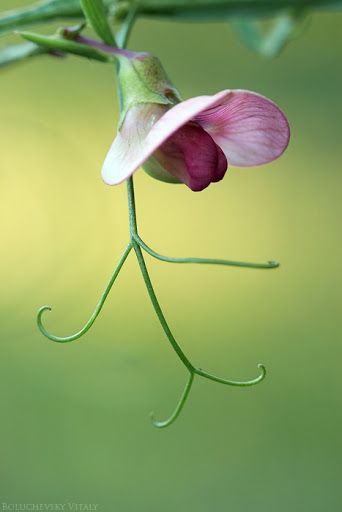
(140, 135)
(249, 128)
(191, 155)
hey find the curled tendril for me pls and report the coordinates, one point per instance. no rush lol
(205, 261)
(202, 373)
(86, 327)
(179, 407)
(237, 383)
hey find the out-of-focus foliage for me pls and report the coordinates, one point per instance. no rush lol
(18, 52)
(51, 10)
(244, 15)
(269, 42)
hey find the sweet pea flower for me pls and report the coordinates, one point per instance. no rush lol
(194, 141)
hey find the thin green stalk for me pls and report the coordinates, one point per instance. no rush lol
(206, 261)
(158, 309)
(97, 309)
(131, 209)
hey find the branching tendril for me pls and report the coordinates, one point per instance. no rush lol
(99, 306)
(137, 243)
(202, 373)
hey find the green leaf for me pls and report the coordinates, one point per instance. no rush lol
(95, 13)
(57, 43)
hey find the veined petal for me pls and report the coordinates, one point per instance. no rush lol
(249, 128)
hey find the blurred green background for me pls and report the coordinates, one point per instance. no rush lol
(75, 424)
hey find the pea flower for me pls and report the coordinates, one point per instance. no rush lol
(194, 141)
(188, 142)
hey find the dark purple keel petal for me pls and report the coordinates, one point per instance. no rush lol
(191, 155)
(222, 165)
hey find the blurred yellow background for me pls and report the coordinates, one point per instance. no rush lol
(75, 424)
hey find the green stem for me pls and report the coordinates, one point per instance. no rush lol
(206, 261)
(97, 309)
(131, 209)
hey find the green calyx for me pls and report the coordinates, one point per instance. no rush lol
(142, 79)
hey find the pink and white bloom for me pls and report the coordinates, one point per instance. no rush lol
(194, 141)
